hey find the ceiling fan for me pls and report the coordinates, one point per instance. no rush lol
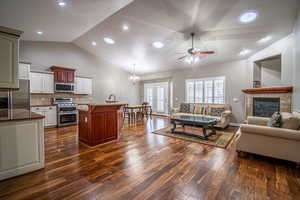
(194, 53)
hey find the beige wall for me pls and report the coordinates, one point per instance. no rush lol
(237, 78)
(107, 78)
(296, 97)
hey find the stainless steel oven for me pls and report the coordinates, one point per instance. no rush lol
(64, 87)
(65, 119)
(67, 113)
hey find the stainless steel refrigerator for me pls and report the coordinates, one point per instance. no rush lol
(16, 99)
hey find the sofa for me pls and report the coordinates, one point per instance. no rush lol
(282, 143)
(221, 112)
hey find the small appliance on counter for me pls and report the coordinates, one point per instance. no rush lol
(67, 113)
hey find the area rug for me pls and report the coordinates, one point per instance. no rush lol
(220, 139)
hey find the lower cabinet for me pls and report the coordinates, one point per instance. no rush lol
(21, 147)
(50, 114)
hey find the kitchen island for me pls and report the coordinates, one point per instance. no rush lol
(21, 142)
(100, 123)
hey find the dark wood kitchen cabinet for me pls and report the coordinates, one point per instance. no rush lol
(63, 75)
(70, 76)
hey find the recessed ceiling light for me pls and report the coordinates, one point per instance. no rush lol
(94, 43)
(244, 52)
(265, 39)
(125, 27)
(158, 44)
(39, 32)
(248, 17)
(108, 40)
(61, 3)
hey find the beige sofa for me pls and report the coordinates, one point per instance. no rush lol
(256, 137)
(201, 109)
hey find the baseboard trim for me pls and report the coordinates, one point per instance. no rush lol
(235, 124)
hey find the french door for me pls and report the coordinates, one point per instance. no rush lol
(157, 95)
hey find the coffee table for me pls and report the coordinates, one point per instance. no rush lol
(204, 122)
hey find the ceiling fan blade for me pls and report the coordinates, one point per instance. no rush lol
(204, 52)
(181, 57)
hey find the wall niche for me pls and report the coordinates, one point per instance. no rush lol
(267, 72)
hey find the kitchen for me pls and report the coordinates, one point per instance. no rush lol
(32, 99)
(58, 93)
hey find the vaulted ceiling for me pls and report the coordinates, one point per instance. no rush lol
(215, 22)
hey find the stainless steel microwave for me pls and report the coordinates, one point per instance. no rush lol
(64, 87)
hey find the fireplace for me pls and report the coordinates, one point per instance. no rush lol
(265, 107)
(265, 101)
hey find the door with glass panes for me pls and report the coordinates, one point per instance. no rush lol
(157, 95)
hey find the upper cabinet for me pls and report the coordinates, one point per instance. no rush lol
(70, 76)
(48, 83)
(83, 85)
(24, 71)
(63, 75)
(9, 58)
(41, 83)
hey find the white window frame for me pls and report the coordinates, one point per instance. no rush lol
(205, 79)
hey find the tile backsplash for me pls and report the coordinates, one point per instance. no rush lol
(46, 99)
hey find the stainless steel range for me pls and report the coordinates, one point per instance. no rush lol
(67, 113)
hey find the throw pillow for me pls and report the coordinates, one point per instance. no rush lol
(297, 114)
(199, 109)
(216, 111)
(290, 121)
(185, 108)
(275, 120)
(203, 110)
(192, 108)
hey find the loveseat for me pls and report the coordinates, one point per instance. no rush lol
(221, 112)
(282, 143)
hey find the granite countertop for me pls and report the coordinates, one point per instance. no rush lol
(109, 104)
(18, 115)
(102, 105)
(42, 105)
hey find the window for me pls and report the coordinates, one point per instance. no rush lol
(206, 90)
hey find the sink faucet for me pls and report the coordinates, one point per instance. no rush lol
(112, 95)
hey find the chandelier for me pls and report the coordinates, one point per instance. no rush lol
(133, 77)
(191, 59)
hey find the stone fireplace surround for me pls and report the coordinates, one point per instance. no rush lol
(284, 93)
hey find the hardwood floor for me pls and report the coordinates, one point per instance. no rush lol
(142, 165)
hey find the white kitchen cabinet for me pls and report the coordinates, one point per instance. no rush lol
(49, 112)
(21, 147)
(24, 71)
(48, 83)
(36, 83)
(41, 83)
(50, 116)
(9, 58)
(88, 86)
(83, 85)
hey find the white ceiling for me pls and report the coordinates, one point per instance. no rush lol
(170, 21)
(58, 24)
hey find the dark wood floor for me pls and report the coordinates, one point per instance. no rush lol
(142, 165)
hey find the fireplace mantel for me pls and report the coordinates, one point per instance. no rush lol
(268, 90)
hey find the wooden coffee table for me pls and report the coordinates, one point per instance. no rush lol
(204, 122)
